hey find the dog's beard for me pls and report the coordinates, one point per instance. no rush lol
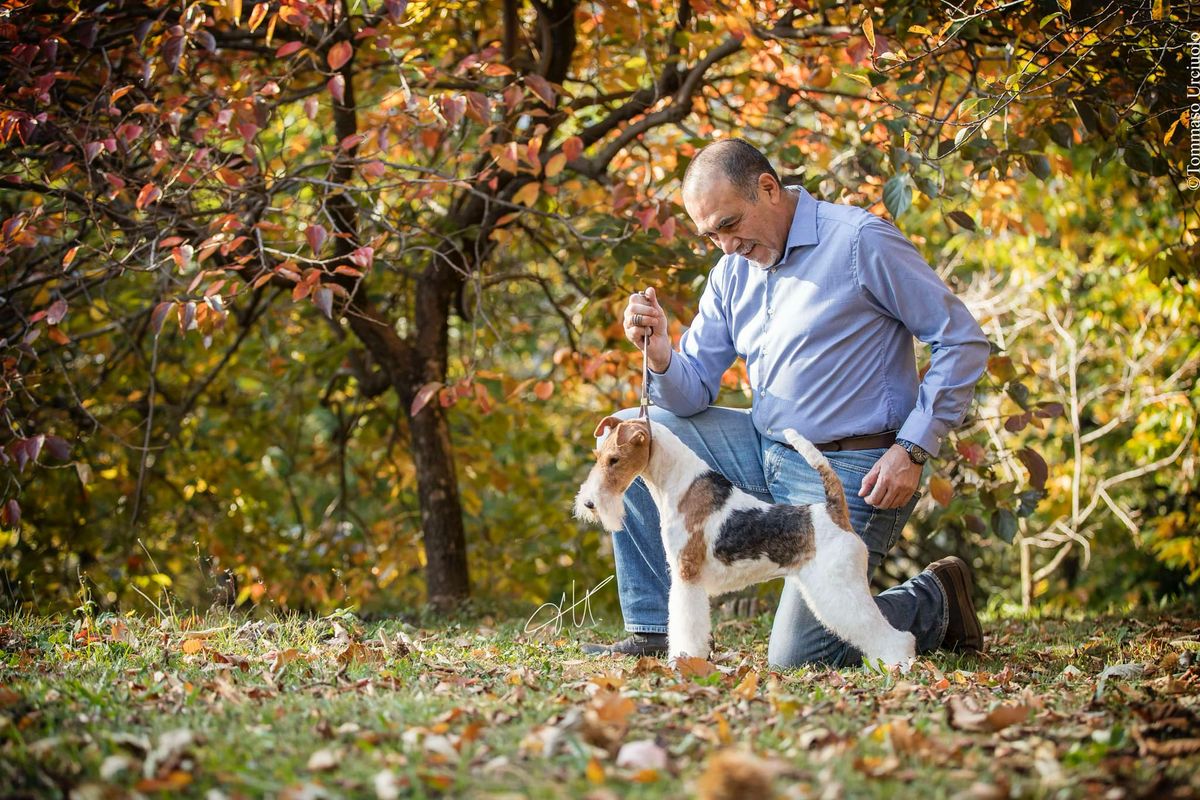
(608, 511)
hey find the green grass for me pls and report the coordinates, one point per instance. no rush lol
(309, 707)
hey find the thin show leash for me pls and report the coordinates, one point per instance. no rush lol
(644, 410)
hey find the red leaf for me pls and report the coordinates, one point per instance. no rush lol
(337, 88)
(339, 54)
(58, 447)
(316, 237)
(363, 257)
(573, 148)
(324, 300)
(159, 316)
(424, 395)
(287, 49)
(58, 310)
(543, 390)
(149, 194)
(972, 452)
(12, 514)
(542, 88)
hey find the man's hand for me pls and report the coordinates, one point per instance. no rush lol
(892, 481)
(644, 310)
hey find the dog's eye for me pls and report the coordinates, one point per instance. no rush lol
(612, 461)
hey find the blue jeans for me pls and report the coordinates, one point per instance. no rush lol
(727, 439)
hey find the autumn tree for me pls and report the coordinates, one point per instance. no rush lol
(401, 167)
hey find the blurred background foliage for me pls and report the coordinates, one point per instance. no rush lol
(192, 241)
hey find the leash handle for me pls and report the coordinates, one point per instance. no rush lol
(643, 411)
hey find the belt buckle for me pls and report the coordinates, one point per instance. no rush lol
(835, 446)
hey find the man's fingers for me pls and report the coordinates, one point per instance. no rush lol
(869, 482)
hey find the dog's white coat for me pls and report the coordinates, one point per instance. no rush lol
(833, 582)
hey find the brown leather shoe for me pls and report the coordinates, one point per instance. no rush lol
(963, 632)
(637, 644)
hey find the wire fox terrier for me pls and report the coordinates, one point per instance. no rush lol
(720, 539)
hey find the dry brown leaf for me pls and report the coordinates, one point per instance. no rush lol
(748, 688)
(689, 667)
(606, 719)
(735, 775)
(965, 715)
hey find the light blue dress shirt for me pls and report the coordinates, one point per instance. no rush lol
(827, 335)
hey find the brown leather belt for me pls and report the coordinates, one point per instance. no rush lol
(870, 441)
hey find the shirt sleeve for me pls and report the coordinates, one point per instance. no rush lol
(693, 376)
(892, 272)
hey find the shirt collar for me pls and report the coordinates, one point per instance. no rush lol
(804, 222)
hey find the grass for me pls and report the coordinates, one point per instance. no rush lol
(221, 706)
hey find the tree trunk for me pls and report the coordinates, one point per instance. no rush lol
(409, 365)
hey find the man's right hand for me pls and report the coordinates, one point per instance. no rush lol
(653, 319)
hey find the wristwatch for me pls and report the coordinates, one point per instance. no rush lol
(916, 453)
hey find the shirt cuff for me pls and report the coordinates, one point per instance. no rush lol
(922, 429)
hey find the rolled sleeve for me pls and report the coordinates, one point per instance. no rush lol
(893, 274)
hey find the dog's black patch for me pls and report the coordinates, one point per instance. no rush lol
(717, 484)
(782, 533)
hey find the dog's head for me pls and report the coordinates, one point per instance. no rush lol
(620, 458)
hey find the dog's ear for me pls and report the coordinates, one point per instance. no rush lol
(607, 422)
(634, 431)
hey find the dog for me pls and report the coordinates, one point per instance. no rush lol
(720, 539)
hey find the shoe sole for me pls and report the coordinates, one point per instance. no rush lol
(960, 576)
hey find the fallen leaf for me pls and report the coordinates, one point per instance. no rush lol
(965, 715)
(323, 760)
(642, 755)
(689, 667)
(736, 775)
(748, 688)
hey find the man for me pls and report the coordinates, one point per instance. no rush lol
(822, 300)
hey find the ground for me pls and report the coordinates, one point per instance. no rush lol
(221, 706)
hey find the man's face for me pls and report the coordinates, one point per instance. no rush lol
(756, 230)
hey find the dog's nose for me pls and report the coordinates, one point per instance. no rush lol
(589, 505)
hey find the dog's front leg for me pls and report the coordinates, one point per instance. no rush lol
(688, 620)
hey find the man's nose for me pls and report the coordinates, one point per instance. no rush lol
(729, 244)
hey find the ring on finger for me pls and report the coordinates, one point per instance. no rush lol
(637, 320)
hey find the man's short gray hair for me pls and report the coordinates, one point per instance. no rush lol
(737, 160)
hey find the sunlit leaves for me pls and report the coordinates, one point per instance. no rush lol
(339, 55)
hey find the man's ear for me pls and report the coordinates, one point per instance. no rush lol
(607, 422)
(769, 186)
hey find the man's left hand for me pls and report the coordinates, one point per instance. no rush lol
(892, 481)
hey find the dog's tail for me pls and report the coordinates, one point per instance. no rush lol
(835, 495)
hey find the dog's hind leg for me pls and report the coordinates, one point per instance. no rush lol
(689, 621)
(834, 584)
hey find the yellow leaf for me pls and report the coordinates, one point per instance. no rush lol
(869, 32)
(921, 29)
(1157, 9)
(748, 688)
(192, 646)
(527, 195)
(257, 16)
(235, 12)
(555, 164)
(595, 772)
